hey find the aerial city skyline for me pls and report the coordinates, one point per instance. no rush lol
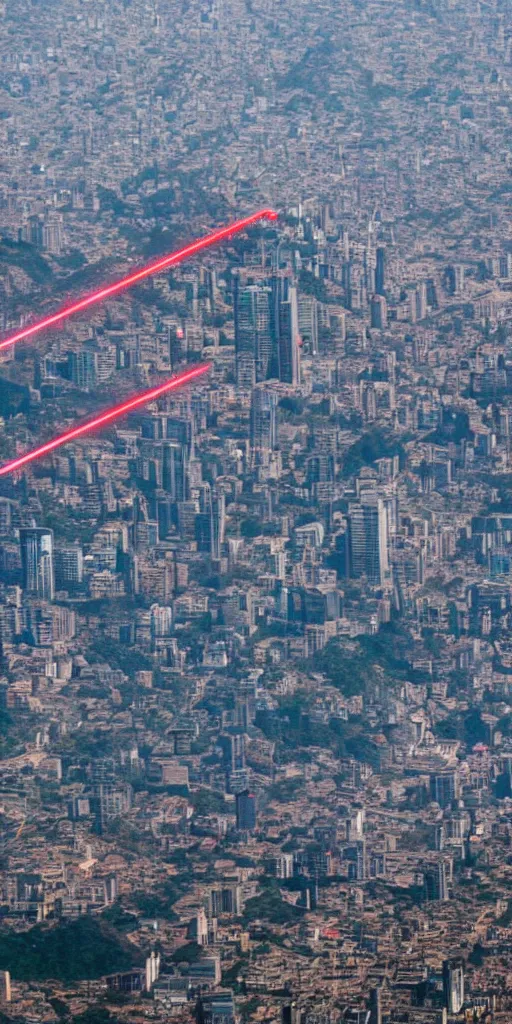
(255, 512)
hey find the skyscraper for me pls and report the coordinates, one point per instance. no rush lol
(5, 987)
(211, 522)
(444, 788)
(83, 368)
(288, 344)
(368, 539)
(379, 312)
(233, 748)
(174, 469)
(246, 811)
(453, 985)
(308, 323)
(264, 420)
(375, 1006)
(253, 340)
(36, 546)
(380, 271)
(285, 330)
(436, 882)
(69, 565)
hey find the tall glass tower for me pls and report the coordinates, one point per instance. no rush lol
(37, 562)
(253, 338)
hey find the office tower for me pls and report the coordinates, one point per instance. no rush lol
(5, 515)
(174, 462)
(346, 280)
(380, 271)
(264, 420)
(436, 882)
(308, 323)
(453, 985)
(217, 523)
(369, 264)
(163, 427)
(320, 469)
(285, 330)
(283, 866)
(279, 286)
(444, 788)
(368, 400)
(210, 523)
(164, 515)
(375, 1006)
(217, 1008)
(449, 280)
(225, 899)
(357, 860)
(83, 368)
(432, 293)
(231, 898)
(111, 801)
(246, 811)
(338, 329)
(290, 1014)
(5, 987)
(368, 539)
(152, 970)
(459, 278)
(233, 749)
(253, 340)
(32, 231)
(439, 838)
(198, 928)
(379, 312)
(506, 266)
(36, 546)
(237, 753)
(69, 566)
(289, 339)
(53, 233)
(160, 620)
(215, 903)
(421, 301)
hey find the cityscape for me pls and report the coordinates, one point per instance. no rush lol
(256, 629)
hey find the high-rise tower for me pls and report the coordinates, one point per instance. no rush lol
(453, 985)
(264, 420)
(253, 339)
(368, 532)
(36, 547)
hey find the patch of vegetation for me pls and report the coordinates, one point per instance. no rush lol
(118, 918)
(128, 659)
(207, 801)
(373, 445)
(26, 258)
(79, 950)
(271, 907)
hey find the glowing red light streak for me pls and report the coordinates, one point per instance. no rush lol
(139, 275)
(106, 417)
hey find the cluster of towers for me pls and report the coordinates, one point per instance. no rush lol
(267, 332)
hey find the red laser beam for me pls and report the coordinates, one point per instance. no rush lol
(139, 275)
(106, 417)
